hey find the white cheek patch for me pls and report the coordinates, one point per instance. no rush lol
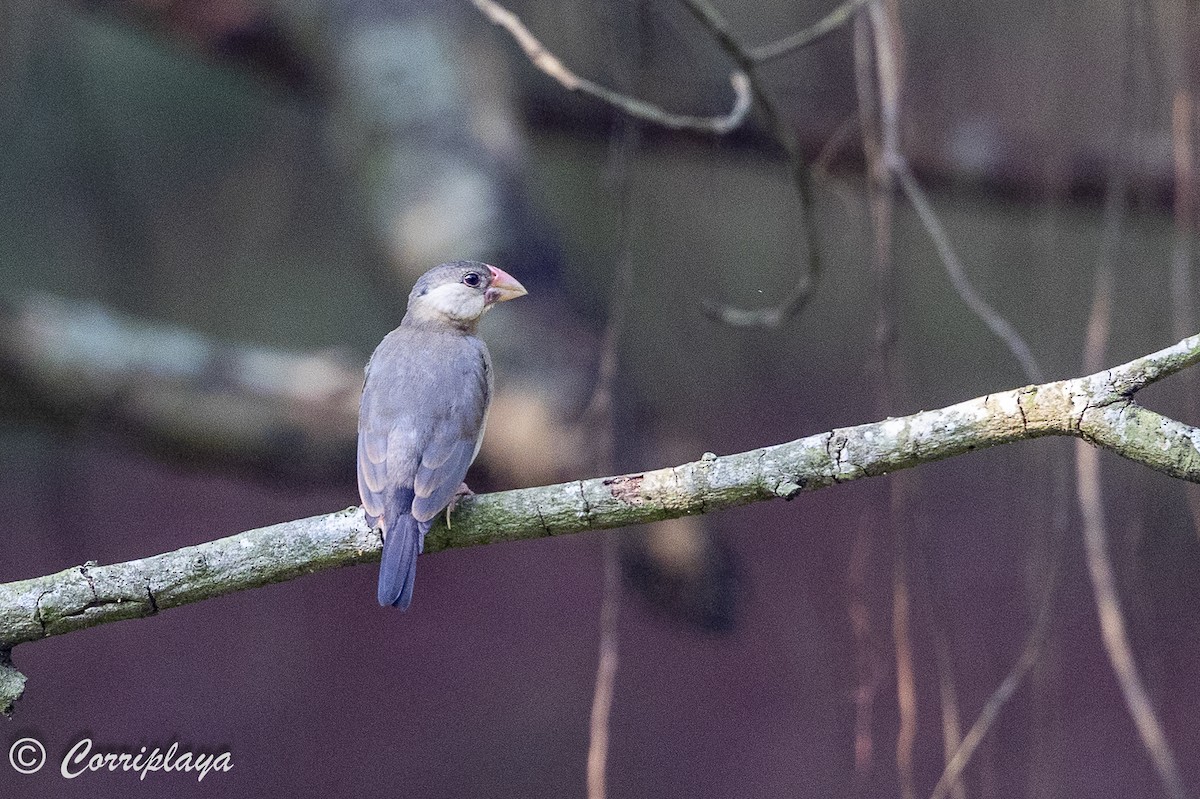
(455, 301)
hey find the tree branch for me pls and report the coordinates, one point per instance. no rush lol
(292, 412)
(798, 172)
(551, 65)
(814, 33)
(1097, 408)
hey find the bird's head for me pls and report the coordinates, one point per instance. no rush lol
(456, 295)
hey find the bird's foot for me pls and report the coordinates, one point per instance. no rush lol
(463, 491)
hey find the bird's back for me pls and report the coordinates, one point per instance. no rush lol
(423, 410)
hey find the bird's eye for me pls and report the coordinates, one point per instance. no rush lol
(472, 279)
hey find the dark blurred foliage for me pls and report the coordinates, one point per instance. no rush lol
(267, 179)
(243, 33)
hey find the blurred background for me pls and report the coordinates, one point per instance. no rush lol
(211, 212)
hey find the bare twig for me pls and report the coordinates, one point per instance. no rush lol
(1112, 623)
(952, 735)
(906, 688)
(879, 114)
(1187, 224)
(606, 673)
(960, 755)
(890, 520)
(887, 61)
(808, 36)
(550, 64)
(867, 661)
(996, 323)
(1187, 221)
(1091, 496)
(799, 175)
(600, 418)
(833, 144)
(957, 763)
(888, 71)
(748, 90)
(951, 723)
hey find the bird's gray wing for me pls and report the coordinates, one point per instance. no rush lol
(387, 463)
(457, 428)
(389, 436)
(372, 465)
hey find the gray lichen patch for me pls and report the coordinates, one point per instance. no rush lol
(12, 684)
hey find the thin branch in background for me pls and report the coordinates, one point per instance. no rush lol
(551, 65)
(829, 151)
(889, 70)
(814, 33)
(1030, 652)
(958, 758)
(1112, 622)
(906, 687)
(1187, 187)
(748, 90)
(606, 673)
(839, 138)
(887, 64)
(1187, 225)
(599, 418)
(952, 736)
(798, 172)
(893, 500)
(1090, 493)
(1114, 633)
(951, 716)
(867, 661)
(996, 323)
(1044, 576)
(866, 658)
(1183, 300)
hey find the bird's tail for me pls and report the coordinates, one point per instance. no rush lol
(398, 569)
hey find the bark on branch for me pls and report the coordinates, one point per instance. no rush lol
(289, 412)
(1098, 408)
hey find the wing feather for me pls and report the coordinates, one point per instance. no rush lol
(454, 439)
(420, 422)
(435, 487)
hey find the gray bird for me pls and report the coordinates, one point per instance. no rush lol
(424, 406)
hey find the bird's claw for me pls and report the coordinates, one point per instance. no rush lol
(463, 491)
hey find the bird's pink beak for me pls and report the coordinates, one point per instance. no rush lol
(503, 287)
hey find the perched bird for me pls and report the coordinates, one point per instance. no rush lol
(424, 406)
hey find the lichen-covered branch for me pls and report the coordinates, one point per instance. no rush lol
(286, 411)
(1098, 408)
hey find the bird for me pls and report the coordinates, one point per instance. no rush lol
(423, 410)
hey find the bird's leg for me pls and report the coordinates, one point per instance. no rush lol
(463, 491)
